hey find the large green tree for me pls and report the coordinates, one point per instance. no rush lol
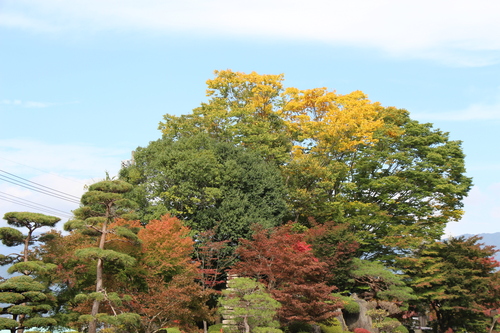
(24, 298)
(397, 182)
(101, 204)
(208, 184)
(456, 280)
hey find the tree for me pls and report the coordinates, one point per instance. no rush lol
(456, 280)
(406, 187)
(101, 204)
(394, 181)
(249, 305)
(214, 259)
(285, 264)
(25, 298)
(335, 245)
(243, 110)
(208, 184)
(171, 295)
(379, 282)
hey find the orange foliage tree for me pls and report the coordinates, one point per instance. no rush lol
(171, 296)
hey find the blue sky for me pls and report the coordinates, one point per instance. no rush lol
(83, 83)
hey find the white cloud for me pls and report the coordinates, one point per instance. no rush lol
(27, 104)
(473, 112)
(462, 32)
(30, 104)
(77, 161)
(481, 212)
(71, 168)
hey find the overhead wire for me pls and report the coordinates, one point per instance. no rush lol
(38, 209)
(43, 171)
(31, 204)
(38, 187)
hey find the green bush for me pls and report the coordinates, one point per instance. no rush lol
(215, 328)
(350, 305)
(401, 329)
(173, 330)
(266, 330)
(299, 327)
(332, 325)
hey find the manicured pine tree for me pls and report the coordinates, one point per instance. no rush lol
(25, 298)
(101, 204)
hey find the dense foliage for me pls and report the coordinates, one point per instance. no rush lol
(278, 208)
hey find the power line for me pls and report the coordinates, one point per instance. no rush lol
(27, 180)
(32, 204)
(38, 187)
(38, 209)
(43, 171)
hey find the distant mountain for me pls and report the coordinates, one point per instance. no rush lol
(489, 239)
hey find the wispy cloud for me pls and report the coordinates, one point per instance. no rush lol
(25, 104)
(461, 33)
(72, 160)
(30, 104)
(63, 167)
(472, 112)
(481, 212)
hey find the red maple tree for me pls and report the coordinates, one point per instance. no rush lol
(284, 262)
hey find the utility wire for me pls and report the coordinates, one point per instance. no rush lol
(29, 181)
(43, 171)
(31, 204)
(39, 188)
(35, 207)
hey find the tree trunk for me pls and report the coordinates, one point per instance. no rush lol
(245, 323)
(99, 273)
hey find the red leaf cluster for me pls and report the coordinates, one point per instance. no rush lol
(284, 262)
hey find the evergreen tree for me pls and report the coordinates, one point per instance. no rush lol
(25, 298)
(101, 204)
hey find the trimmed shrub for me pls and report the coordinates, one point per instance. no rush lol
(350, 305)
(401, 329)
(299, 327)
(266, 330)
(215, 328)
(332, 325)
(173, 330)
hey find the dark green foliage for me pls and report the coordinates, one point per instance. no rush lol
(215, 328)
(401, 329)
(456, 280)
(335, 245)
(30, 267)
(331, 325)
(6, 323)
(106, 255)
(406, 187)
(208, 184)
(349, 304)
(30, 220)
(380, 282)
(101, 205)
(11, 237)
(24, 300)
(247, 302)
(298, 326)
(10, 297)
